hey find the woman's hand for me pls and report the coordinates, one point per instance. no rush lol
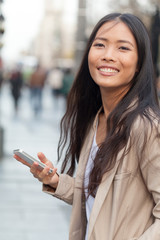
(42, 175)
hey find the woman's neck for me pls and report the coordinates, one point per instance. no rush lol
(110, 99)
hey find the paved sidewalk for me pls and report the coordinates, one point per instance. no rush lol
(26, 213)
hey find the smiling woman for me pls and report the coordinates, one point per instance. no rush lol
(113, 60)
(111, 137)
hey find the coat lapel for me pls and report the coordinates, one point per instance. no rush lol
(106, 180)
(101, 195)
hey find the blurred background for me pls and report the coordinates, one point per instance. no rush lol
(41, 47)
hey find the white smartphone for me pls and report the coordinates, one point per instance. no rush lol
(29, 159)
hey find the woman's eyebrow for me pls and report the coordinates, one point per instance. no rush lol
(119, 41)
(100, 38)
(126, 41)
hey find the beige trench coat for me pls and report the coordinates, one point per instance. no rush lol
(127, 203)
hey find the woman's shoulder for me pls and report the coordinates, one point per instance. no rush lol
(146, 123)
(145, 131)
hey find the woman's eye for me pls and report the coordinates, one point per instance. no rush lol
(124, 48)
(98, 45)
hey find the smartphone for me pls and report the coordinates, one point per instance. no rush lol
(29, 159)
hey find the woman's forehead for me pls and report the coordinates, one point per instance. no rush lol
(116, 25)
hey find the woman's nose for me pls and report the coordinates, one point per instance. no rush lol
(109, 55)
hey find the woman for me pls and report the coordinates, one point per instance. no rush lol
(112, 126)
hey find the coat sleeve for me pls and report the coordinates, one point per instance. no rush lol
(64, 190)
(150, 169)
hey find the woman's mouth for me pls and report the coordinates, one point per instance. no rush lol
(108, 70)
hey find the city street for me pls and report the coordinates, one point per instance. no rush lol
(26, 213)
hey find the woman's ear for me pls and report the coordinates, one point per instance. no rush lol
(136, 72)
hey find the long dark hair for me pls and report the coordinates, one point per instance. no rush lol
(84, 101)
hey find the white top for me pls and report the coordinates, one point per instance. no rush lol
(90, 199)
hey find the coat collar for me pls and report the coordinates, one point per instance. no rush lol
(102, 192)
(104, 186)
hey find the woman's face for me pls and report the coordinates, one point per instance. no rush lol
(113, 57)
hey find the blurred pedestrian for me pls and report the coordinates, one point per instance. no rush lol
(1, 80)
(111, 137)
(54, 79)
(16, 83)
(36, 83)
(67, 82)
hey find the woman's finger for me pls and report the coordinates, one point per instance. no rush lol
(21, 160)
(42, 157)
